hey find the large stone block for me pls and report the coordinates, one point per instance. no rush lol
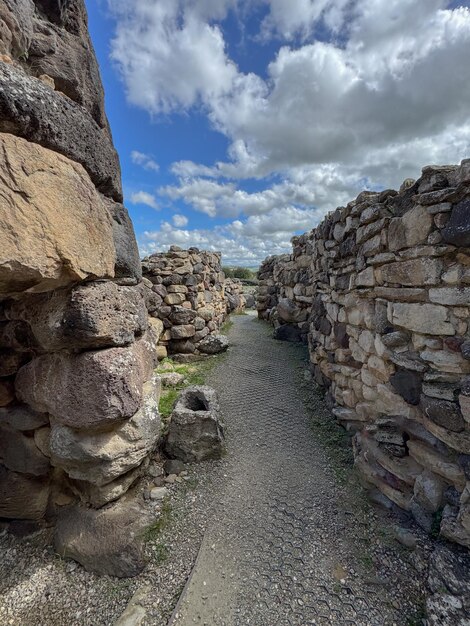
(183, 332)
(21, 417)
(437, 462)
(22, 497)
(107, 541)
(410, 230)
(54, 227)
(34, 111)
(100, 458)
(457, 296)
(443, 413)
(19, 453)
(92, 315)
(89, 390)
(289, 312)
(430, 319)
(408, 384)
(414, 272)
(457, 230)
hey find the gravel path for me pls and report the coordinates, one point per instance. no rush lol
(268, 536)
(284, 544)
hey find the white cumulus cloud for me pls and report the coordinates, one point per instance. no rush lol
(359, 93)
(143, 197)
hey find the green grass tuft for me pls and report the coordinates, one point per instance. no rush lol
(153, 532)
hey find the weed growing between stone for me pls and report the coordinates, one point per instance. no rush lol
(153, 532)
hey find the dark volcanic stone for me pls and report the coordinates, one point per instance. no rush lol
(465, 349)
(457, 230)
(341, 335)
(444, 413)
(324, 326)
(464, 462)
(287, 332)
(32, 110)
(408, 384)
(128, 265)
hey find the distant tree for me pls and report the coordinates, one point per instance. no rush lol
(243, 273)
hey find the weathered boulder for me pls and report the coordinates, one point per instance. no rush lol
(19, 453)
(289, 312)
(21, 417)
(408, 384)
(34, 111)
(457, 230)
(196, 431)
(97, 496)
(101, 457)
(54, 226)
(288, 332)
(443, 413)
(213, 344)
(183, 332)
(182, 315)
(105, 541)
(97, 314)
(89, 390)
(22, 497)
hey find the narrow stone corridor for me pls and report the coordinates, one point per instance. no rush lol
(283, 544)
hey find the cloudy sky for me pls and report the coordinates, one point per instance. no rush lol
(242, 122)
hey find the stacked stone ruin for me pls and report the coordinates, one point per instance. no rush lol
(381, 292)
(78, 398)
(186, 292)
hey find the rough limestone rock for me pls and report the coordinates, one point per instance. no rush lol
(97, 314)
(105, 541)
(34, 111)
(88, 390)
(196, 431)
(54, 227)
(101, 457)
(214, 344)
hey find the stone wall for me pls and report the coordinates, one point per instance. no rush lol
(186, 293)
(381, 292)
(78, 400)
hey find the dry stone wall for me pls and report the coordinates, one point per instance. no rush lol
(381, 292)
(78, 398)
(188, 299)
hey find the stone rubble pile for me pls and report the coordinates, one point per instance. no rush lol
(78, 396)
(186, 297)
(381, 292)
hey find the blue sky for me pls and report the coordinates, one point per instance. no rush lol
(242, 122)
